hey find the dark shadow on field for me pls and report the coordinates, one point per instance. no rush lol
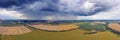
(54, 30)
(90, 33)
(115, 32)
(29, 27)
(0, 37)
(58, 31)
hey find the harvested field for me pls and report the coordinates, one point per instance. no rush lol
(114, 26)
(55, 27)
(14, 30)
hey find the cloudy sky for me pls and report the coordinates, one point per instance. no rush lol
(60, 9)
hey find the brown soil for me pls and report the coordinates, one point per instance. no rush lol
(114, 26)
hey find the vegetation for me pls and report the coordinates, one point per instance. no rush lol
(89, 27)
(31, 28)
(68, 35)
(10, 24)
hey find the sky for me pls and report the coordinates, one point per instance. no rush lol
(60, 9)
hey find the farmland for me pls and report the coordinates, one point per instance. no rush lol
(61, 27)
(14, 30)
(114, 26)
(69, 35)
(76, 34)
(90, 26)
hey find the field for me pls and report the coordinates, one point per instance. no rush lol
(77, 34)
(90, 26)
(69, 35)
(13, 30)
(61, 27)
(114, 26)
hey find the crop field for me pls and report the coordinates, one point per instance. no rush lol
(13, 30)
(61, 27)
(69, 35)
(114, 26)
(77, 34)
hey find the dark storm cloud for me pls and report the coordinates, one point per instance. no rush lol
(55, 9)
(43, 8)
(33, 9)
(40, 9)
(9, 3)
(53, 6)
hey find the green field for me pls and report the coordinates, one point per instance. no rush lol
(89, 27)
(69, 35)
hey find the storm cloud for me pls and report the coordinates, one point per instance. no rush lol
(59, 9)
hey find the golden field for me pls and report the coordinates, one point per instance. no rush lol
(61, 27)
(77, 34)
(69, 35)
(13, 30)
